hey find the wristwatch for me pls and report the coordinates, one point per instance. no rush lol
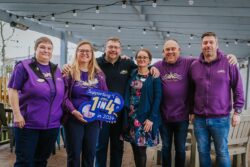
(238, 111)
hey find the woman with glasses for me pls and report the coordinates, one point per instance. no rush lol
(81, 136)
(142, 101)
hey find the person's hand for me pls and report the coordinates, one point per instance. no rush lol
(232, 59)
(66, 69)
(155, 72)
(19, 120)
(148, 125)
(78, 116)
(191, 118)
(235, 119)
(125, 57)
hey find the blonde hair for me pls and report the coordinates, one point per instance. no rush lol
(93, 67)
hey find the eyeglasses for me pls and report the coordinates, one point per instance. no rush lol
(84, 51)
(142, 58)
(171, 49)
(113, 47)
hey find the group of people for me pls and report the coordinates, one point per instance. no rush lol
(159, 101)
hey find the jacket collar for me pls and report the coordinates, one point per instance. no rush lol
(33, 65)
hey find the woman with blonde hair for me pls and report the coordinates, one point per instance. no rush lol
(81, 136)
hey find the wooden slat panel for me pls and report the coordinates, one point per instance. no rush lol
(246, 129)
(235, 132)
(240, 131)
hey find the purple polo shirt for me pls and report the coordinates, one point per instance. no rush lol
(175, 84)
(214, 83)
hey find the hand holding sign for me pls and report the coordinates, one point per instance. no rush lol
(103, 106)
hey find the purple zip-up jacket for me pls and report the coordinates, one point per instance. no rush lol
(39, 109)
(214, 83)
(175, 105)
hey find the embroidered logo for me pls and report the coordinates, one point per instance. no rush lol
(90, 83)
(172, 77)
(123, 72)
(47, 75)
(221, 71)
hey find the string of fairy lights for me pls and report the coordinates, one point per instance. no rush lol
(45, 19)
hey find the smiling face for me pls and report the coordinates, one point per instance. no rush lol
(209, 48)
(171, 51)
(112, 50)
(43, 52)
(84, 53)
(143, 59)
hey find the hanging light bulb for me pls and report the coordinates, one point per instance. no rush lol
(17, 18)
(129, 47)
(168, 34)
(144, 31)
(189, 45)
(248, 43)
(97, 10)
(236, 41)
(52, 16)
(124, 5)
(141, 46)
(33, 18)
(93, 27)
(74, 13)
(156, 46)
(190, 2)
(191, 36)
(39, 21)
(67, 24)
(119, 29)
(154, 4)
(227, 44)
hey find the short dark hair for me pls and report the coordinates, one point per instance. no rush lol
(144, 50)
(114, 39)
(208, 34)
(41, 40)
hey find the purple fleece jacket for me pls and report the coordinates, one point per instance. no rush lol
(215, 85)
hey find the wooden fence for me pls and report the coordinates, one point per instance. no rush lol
(3, 90)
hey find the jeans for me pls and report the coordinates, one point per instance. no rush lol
(112, 131)
(34, 146)
(81, 142)
(216, 129)
(179, 131)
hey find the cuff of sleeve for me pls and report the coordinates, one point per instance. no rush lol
(238, 111)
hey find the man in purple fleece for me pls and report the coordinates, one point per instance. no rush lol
(175, 107)
(215, 82)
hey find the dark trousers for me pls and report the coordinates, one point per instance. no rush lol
(81, 142)
(140, 155)
(33, 146)
(112, 131)
(179, 131)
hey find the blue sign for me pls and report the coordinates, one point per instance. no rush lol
(103, 106)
